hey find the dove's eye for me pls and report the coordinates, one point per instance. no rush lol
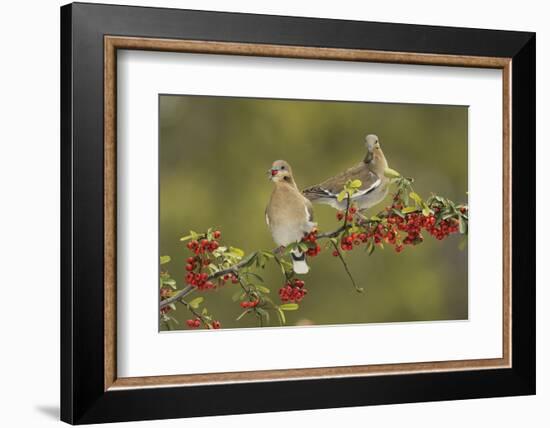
(283, 167)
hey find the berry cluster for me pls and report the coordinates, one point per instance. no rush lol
(398, 229)
(199, 280)
(348, 241)
(165, 292)
(193, 323)
(311, 239)
(351, 212)
(165, 309)
(194, 265)
(229, 277)
(250, 303)
(196, 323)
(204, 245)
(293, 291)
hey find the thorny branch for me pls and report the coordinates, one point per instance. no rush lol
(235, 269)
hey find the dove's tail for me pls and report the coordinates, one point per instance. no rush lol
(299, 264)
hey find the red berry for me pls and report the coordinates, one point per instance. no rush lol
(197, 322)
(216, 324)
(217, 234)
(190, 323)
(335, 253)
(189, 267)
(339, 215)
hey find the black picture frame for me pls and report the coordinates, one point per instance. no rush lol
(83, 398)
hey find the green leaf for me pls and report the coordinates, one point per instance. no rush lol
(248, 260)
(282, 317)
(355, 184)
(462, 227)
(255, 275)
(236, 252)
(195, 303)
(204, 311)
(290, 247)
(399, 213)
(289, 307)
(172, 305)
(303, 246)
(164, 259)
(370, 247)
(170, 282)
(342, 195)
(262, 288)
(263, 313)
(391, 173)
(426, 210)
(261, 260)
(416, 197)
(408, 210)
(238, 295)
(192, 235)
(209, 234)
(268, 254)
(285, 264)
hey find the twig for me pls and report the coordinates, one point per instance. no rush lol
(179, 295)
(358, 289)
(194, 312)
(347, 210)
(332, 234)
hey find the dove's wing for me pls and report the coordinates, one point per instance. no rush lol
(334, 185)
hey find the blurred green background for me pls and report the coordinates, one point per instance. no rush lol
(214, 154)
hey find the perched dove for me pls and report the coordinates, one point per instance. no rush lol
(289, 215)
(370, 171)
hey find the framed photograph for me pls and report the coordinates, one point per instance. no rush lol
(308, 213)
